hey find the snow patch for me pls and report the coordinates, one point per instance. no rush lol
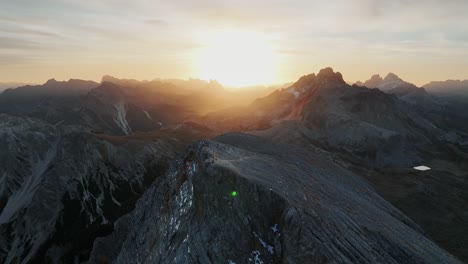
(121, 120)
(183, 201)
(274, 228)
(293, 91)
(115, 201)
(99, 211)
(269, 248)
(147, 115)
(24, 195)
(256, 257)
(421, 168)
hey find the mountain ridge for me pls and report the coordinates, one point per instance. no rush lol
(268, 230)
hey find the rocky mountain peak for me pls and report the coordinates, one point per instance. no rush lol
(51, 81)
(376, 77)
(391, 77)
(373, 82)
(326, 74)
(329, 74)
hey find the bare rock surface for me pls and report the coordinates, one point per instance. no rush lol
(257, 202)
(61, 187)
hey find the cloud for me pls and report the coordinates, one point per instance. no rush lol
(13, 59)
(26, 31)
(162, 32)
(18, 43)
(156, 22)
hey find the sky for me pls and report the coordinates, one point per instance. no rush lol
(241, 42)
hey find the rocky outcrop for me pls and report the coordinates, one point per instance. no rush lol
(239, 199)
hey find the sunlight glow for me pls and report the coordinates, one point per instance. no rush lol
(237, 58)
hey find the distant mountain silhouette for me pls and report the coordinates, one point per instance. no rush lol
(391, 83)
(47, 101)
(449, 87)
(404, 90)
(8, 85)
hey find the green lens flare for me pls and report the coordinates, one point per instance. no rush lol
(234, 194)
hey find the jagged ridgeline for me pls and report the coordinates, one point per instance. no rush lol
(171, 171)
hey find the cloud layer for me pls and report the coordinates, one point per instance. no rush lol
(420, 39)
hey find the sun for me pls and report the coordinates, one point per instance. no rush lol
(237, 58)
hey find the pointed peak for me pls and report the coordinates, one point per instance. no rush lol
(374, 81)
(51, 81)
(305, 80)
(214, 84)
(391, 76)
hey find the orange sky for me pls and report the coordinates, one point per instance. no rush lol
(236, 42)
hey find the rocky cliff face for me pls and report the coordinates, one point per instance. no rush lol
(366, 122)
(61, 187)
(239, 199)
(382, 137)
(123, 110)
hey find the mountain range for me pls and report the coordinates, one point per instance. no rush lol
(449, 87)
(10, 85)
(186, 171)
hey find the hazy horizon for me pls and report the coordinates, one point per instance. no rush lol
(236, 43)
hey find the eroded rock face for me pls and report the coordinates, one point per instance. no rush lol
(240, 200)
(61, 187)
